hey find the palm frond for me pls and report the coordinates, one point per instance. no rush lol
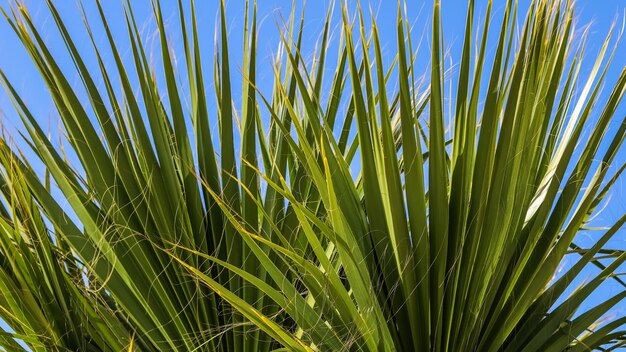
(263, 237)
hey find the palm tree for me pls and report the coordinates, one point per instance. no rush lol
(337, 215)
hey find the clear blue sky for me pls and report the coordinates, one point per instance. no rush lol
(16, 64)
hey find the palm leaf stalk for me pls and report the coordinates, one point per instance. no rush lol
(160, 235)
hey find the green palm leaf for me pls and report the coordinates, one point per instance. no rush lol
(331, 213)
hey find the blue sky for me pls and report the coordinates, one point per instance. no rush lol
(15, 62)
